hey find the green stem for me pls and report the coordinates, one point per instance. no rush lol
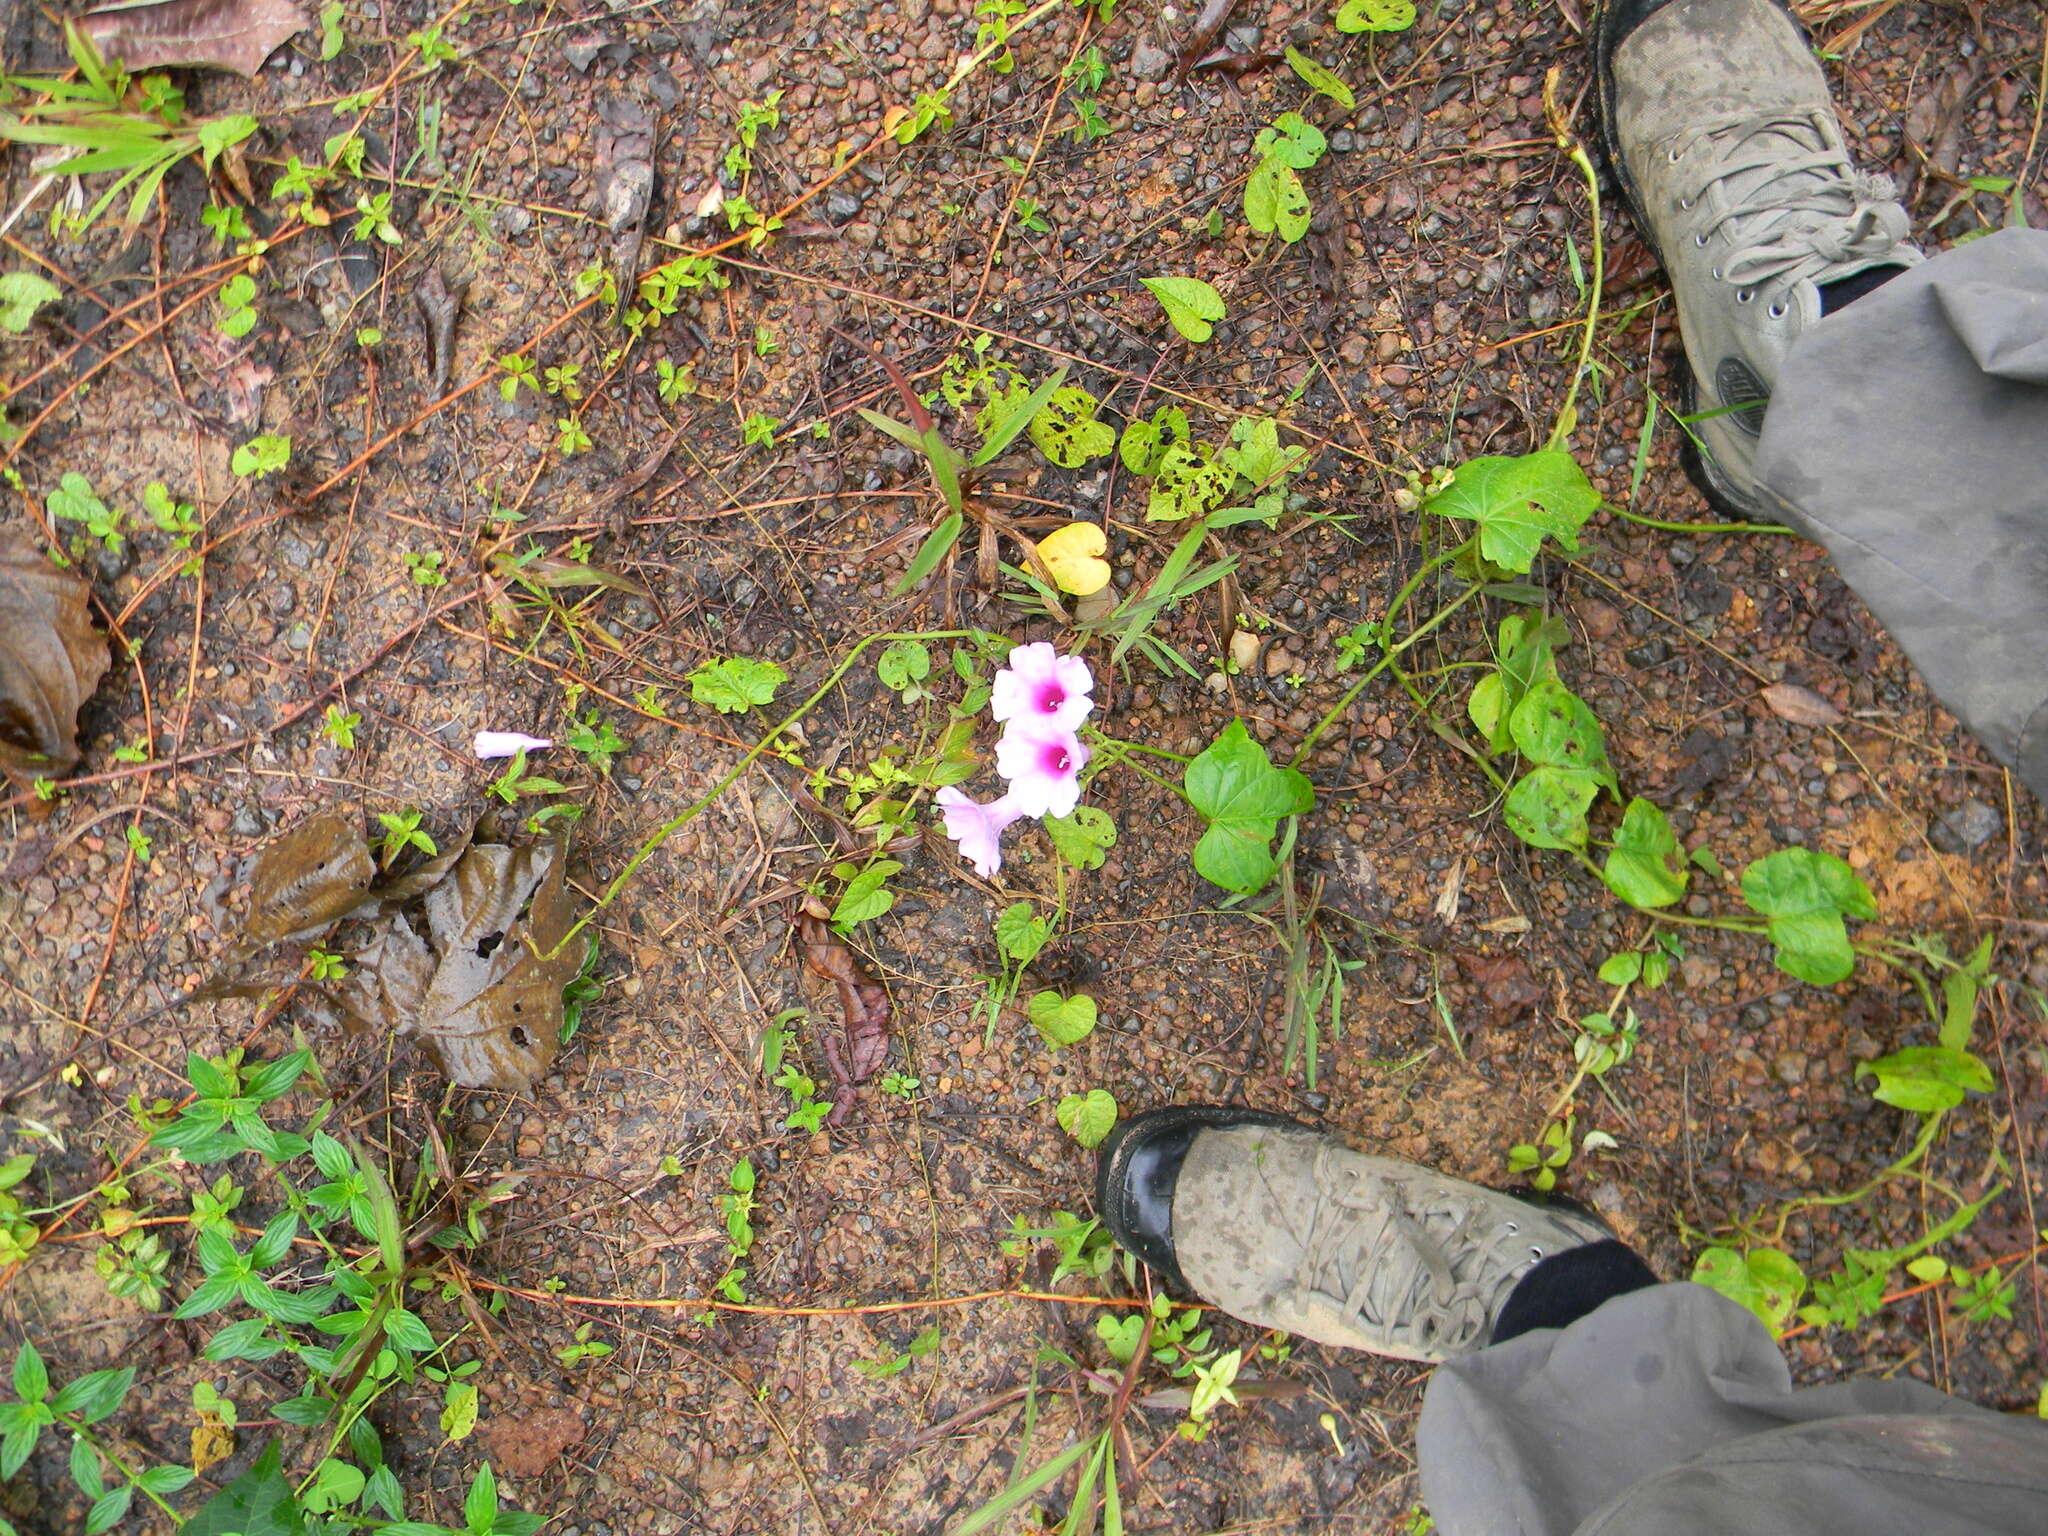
(1671, 527)
(696, 808)
(1567, 415)
(1401, 597)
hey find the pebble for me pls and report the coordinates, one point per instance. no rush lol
(1150, 62)
(1969, 826)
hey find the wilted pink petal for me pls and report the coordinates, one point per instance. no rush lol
(490, 744)
(978, 829)
(1043, 688)
(1043, 767)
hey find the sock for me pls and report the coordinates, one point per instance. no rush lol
(1566, 1286)
(1834, 296)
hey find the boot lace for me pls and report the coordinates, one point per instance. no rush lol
(1421, 1264)
(1793, 207)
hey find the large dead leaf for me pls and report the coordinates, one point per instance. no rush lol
(51, 659)
(309, 878)
(457, 957)
(236, 35)
(478, 990)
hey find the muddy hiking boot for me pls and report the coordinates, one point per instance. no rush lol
(1718, 125)
(1284, 1226)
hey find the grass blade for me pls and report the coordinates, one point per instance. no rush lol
(1023, 1490)
(937, 545)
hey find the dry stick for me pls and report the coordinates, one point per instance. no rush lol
(766, 1309)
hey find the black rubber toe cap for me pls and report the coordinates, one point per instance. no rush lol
(1138, 1166)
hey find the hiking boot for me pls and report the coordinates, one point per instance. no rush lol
(1285, 1227)
(1718, 125)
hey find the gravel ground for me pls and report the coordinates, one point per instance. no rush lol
(1431, 320)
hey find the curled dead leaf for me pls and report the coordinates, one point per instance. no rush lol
(51, 659)
(1802, 706)
(307, 880)
(863, 1008)
(235, 35)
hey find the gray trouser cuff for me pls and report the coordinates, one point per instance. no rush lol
(1670, 1412)
(1909, 434)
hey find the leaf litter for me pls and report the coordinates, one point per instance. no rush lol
(855, 1056)
(235, 35)
(51, 659)
(467, 955)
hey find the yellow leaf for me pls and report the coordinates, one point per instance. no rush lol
(212, 1441)
(1074, 556)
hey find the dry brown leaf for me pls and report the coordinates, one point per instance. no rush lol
(311, 877)
(1505, 984)
(863, 1007)
(236, 35)
(51, 659)
(1802, 706)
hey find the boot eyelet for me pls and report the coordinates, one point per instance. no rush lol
(1686, 203)
(1717, 274)
(1744, 295)
(1513, 1228)
(1674, 156)
(1700, 239)
(1535, 1253)
(1776, 311)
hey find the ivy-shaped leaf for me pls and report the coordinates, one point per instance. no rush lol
(1805, 895)
(1191, 304)
(1235, 788)
(1292, 140)
(1062, 1021)
(1087, 1117)
(1067, 431)
(1646, 867)
(1084, 838)
(1518, 502)
(1766, 1281)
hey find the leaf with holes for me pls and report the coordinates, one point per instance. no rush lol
(1321, 78)
(1292, 140)
(1519, 502)
(1275, 201)
(1376, 15)
(1146, 439)
(1067, 431)
(1191, 481)
(1926, 1079)
(1084, 838)
(1766, 1281)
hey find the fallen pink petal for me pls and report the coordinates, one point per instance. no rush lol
(977, 828)
(490, 744)
(1039, 685)
(1043, 768)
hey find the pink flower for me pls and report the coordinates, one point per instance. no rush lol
(978, 829)
(1043, 767)
(489, 744)
(1044, 688)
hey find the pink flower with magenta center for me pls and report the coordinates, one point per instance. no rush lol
(1040, 686)
(1043, 767)
(978, 829)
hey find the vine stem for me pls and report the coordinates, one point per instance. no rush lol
(696, 808)
(1408, 590)
(1567, 415)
